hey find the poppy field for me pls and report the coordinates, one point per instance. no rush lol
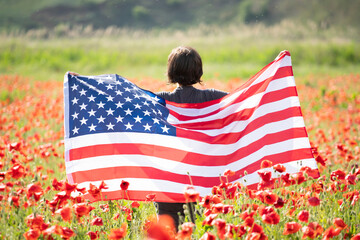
(36, 200)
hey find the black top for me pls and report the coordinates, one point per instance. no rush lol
(189, 94)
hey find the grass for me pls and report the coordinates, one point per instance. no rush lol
(234, 52)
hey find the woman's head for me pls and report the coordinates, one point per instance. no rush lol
(184, 66)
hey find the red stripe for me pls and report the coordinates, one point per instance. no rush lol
(184, 156)
(153, 173)
(256, 88)
(137, 196)
(229, 138)
(241, 115)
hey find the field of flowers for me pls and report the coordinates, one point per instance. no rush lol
(36, 202)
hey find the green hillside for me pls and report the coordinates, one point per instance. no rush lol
(145, 14)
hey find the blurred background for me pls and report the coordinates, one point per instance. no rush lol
(236, 38)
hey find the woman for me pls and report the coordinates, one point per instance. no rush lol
(185, 69)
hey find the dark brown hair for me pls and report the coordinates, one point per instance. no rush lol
(184, 66)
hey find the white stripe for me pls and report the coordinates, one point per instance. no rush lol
(196, 112)
(144, 184)
(250, 102)
(111, 161)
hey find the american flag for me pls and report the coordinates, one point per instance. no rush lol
(116, 131)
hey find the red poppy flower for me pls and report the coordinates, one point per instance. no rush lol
(356, 237)
(319, 159)
(93, 235)
(208, 236)
(66, 233)
(186, 230)
(229, 173)
(314, 201)
(351, 179)
(150, 197)
(97, 221)
(209, 219)
(303, 216)
(279, 203)
(331, 232)
(32, 234)
(34, 189)
(82, 209)
(65, 213)
(124, 185)
(266, 164)
(190, 194)
(35, 221)
(264, 175)
(338, 174)
(52, 230)
(271, 218)
(270, 197)
(279, 168)
(58, 186)
(291, 227)
(220, 225)
(312, 230)
(94, 191)
(135, 204)
(205, 202)
(163, 229)
(16, 171)
(339, 223)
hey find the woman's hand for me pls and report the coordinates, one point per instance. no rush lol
(74, 74)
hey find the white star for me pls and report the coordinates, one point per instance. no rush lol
(100, 105)
(137, 106)
(156, 98)
(138, 119)
(100, 81)
(146, 113)
(110, 111)
(91, 98)
(118, 82)
(129, 126)
(160, 112)
(75, 101)
(92, 127)
(75, 130)
(83, 106)
(127, 89)
(156, 121)
(128, 111)
(100, 119)
(165, 129)
(109, 87)
(92, 112)
(154, 102)
(109, 98)
(119, 105)
(82, 92)
(75, 115)
(83, 121)
(146, 103)
(147, 127)
(118, 92)
(136, 96)
(154, 111)
(74, 87)
(119, 119)
(127, 99)
(110, 126)
(101, 92)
